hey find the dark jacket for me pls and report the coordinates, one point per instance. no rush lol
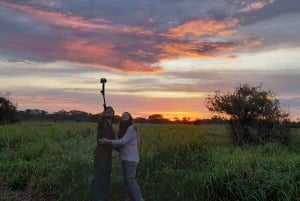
(104, 130)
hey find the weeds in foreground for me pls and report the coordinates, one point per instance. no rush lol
(53, 161)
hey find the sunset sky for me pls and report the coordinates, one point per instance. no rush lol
(159, 56)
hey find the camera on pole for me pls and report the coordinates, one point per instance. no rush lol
(103, 81)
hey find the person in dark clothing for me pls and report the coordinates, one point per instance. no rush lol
(103, 156)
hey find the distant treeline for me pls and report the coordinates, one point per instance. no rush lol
(81, 116)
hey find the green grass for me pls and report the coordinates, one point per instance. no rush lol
(178, 163)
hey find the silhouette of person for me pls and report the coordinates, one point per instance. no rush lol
(103, 155)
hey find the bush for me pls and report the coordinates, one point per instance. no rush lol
(255, 115)
(7, 111)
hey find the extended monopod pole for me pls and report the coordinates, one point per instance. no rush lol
(103, 81)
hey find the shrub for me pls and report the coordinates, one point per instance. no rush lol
(255, 115)
(7, 111)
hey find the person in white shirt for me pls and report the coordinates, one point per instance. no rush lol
(127, 145)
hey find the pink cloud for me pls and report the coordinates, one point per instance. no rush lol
(123, 48)
(101, 53)
(256, 6)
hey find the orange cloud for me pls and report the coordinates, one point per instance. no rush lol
(97, 52)
(76, 22)
(125, 48)
(231, 57)
(185, 50)
(103, 55)
(252, 41)
(199, 50)
(85, 51)
(204, 27)
(180, 44)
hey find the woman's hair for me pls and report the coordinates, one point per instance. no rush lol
(124, 124)
(108, 113)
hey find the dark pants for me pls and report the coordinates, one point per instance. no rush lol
(132, 187)
(102, 173)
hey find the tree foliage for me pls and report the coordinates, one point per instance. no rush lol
(157, 118)
(7, 111)
(255, 115)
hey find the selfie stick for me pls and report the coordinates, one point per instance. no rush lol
(103, 81)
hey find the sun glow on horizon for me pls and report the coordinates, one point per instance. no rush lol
(174, 115)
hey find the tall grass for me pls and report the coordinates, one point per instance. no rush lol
(47, 157)
(178, 163)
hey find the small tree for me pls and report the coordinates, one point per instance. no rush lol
(255, 115)
(7, 111)
(157, 118)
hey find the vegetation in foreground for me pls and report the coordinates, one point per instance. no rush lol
(53, 161)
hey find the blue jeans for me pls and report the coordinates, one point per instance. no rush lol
(129, 175)
(102, 174)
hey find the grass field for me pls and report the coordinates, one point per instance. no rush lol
(54, 161)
